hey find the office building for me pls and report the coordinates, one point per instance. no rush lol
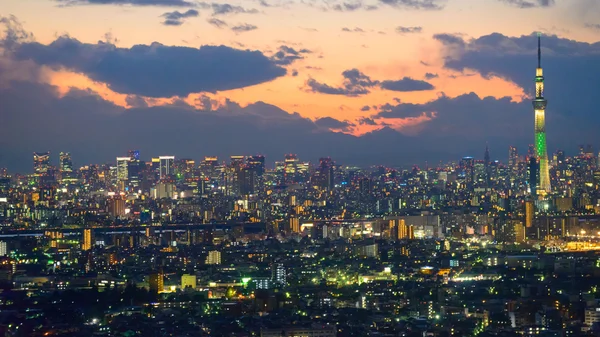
(41, 162)
(156, 282)
(257, 163)
(88, 237)
(214, 257)
(188, 281)
(122, 168)
(166, 166)
(278, 274)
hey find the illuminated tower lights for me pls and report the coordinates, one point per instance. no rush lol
(539, 106)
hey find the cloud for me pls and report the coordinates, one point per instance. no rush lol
(217, 23)
(333, 124)
(416, 4)
(357, 83)
(244, 27)
(365, 108)
(286, 55)
(595, 26)
(570, 67)
(449, 39)
(529, 3)
(166, 3)
(258, 127)
(155, 70)
(353, 30)
(224, 9)
(348, 6)
(431, 76)
(406, 84)
(176, 18)
(480, 117)
(366, 121)
(408, 30)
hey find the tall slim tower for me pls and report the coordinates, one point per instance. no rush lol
(539, 106)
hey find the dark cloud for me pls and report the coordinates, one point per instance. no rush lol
(416, 4)
(595, 26)
(156, 70)
(408, 30)
(365, 108)
(406, 84)
(294, 72)
(217, 23)
(243, 27)
(176, 18)
(353, 30)
(223, 8)
(357, 83)
(166, 3)
(366, 121)
(286, 55)
(570, 67)
(529, 3)
(450, 39)
(333, 124)
(431, 76)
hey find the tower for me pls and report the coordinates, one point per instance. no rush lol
(539, 106)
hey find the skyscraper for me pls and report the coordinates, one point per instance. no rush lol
(66, 164)
(122, 168)
(166, 166)
(41, 162)
(539, 106)
(513, 157)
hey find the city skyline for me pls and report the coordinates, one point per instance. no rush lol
(450, 91)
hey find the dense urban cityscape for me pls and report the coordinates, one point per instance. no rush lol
(150, 244)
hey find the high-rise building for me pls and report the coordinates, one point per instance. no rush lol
(294, 224)
(156, 282)
(467, 170)
(166, 166)
(325, 174)
(236, 161)
(290, 168)
(513, 158)
(278, 274)
(122, 168)
(539, 105)
(41, 162)
(487, 165)
(3, 248)
(529, 213)
(214, 257)
(88, 236)
(257, 163)
(116, 206)
(532, 182)
(66, 164)
(134, 154)
(246, 178)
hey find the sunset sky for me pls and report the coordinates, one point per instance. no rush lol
(374, 81)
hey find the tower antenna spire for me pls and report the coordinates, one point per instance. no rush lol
(539, 50)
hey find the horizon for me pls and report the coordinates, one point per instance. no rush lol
(412, 82)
